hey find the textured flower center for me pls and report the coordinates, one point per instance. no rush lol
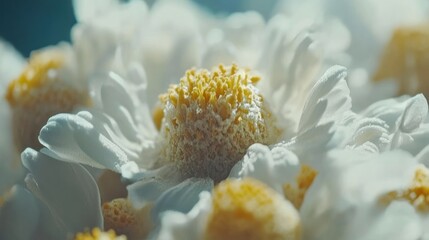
(97, 234)
(211, 118)
(120, 215)
(305, 178)
(37, 94)
(247, 209)
(406, 59)
(417, 194)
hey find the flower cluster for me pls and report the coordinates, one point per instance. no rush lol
(166, 122)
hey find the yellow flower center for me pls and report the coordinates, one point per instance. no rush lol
(417, 194)
(121, 216)
(305, 178)
(97, 234)
(37, 94)
(247, 209)
(406, 60)
(211, 118)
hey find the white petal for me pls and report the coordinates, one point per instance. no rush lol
(147, 191)
(415, 113)
(273, 167)
(72, 138)
(19, 215)
(220, 53)
(399, 221)
(317, 139)
(191, 226)
(86, 10)
(311, 117)
(120, 111)
(331, 86)
(11, 63)
(67, 189)
(181, 197)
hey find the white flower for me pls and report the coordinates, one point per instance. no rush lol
(370, 196)
(48, 84)
(207, 121)
(237, 209)
(372, 56)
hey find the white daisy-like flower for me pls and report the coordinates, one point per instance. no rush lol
(205, 123)
(370, 27)
(298, 168)
(237, 209)
(388, 201)
(49, 83)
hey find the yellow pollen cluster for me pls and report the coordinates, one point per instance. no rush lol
(416, 194)
(121, 216)
(37, 94)
(5, 197)
(211, 118)
(304, 180)
(405, 59)
(247, 209)
(97, 234)
(118, 214)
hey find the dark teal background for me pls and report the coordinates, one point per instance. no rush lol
(33, 24)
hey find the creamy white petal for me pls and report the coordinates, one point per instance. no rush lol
(331, 86)
(179, 226)
(10, 167)
(86, 10)
(146, 191)
(67, 189)
(415, 113)
(347, 189)
(219, 53)
(150, 184)
(399, 221)
(119, 111)
(181, 197)
(72, 138)
(19, 215)
(272, 167)
(11, 63)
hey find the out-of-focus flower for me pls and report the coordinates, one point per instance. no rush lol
(11, 64)
(237, 209)
(48, 84)
(370, 27)
(388, 201)
(405, 59)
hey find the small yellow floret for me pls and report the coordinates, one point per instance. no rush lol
(417, 194)
(247, 209)
(121, 216)
(37, 94)
(304, 180)
(97, 234)
(406, 60)
(211, 118)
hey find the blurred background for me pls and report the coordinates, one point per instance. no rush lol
(30, 25)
